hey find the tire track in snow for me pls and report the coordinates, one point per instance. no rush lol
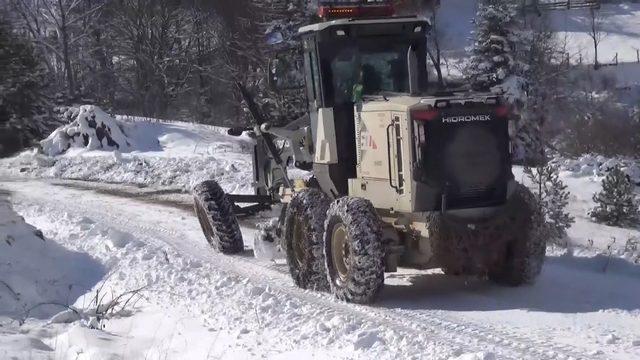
(440, 328)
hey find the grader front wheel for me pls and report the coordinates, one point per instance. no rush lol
(216, 217)
(354, 250)
(304, 223)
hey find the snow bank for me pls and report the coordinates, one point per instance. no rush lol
(161, 154)
(231, 169)
(91, 128)
(37, 276)
(599, 166)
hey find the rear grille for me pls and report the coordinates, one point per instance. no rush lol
(476, 198)
(466, 162)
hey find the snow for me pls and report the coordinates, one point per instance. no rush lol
(91, 128)
(620, 29)
(35, 288)
(475, 356)
(583, 177)
(597, 166)
(199, 304)
(194, 304)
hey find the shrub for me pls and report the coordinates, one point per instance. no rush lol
(616, 204)
(553, 197)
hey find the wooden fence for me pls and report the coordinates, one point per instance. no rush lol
(566, 5)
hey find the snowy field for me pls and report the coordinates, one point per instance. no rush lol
(124, 272)
(620, 30)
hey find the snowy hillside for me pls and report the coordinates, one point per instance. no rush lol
(620, 27)
(583, 177)
(620, 32)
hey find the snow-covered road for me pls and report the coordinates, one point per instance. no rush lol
(150, 238)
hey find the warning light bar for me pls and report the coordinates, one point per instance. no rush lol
(361, 9)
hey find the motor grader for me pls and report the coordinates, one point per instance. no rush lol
(398, 173)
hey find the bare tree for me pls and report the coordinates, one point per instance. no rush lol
(55, 27)
(595, 33)
(153, 47)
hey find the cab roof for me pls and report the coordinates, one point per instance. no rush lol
(338, 22)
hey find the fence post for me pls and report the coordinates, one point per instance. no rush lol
(638, 54)
(616, 59)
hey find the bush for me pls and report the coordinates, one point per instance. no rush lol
(616, 204)
(602, 127)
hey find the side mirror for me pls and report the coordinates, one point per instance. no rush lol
(274, 38)
(285, 72)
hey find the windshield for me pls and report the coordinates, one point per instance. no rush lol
(379, 65)
(377, 71)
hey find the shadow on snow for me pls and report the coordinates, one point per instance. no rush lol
(566, 285)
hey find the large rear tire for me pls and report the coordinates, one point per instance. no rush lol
(354, 250)
(304, 226)
(508, 247)
(525, 253)
(216, 217)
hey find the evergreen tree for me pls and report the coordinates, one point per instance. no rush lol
(543, 82)
(493, 54)
(23, 117)
(553, 197)
(513, 54)
(616, 204)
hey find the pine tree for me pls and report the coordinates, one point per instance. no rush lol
(553, 197)
(543, 82)
(513, 54)
(23, 111)
(616, 204)
(493, 59)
